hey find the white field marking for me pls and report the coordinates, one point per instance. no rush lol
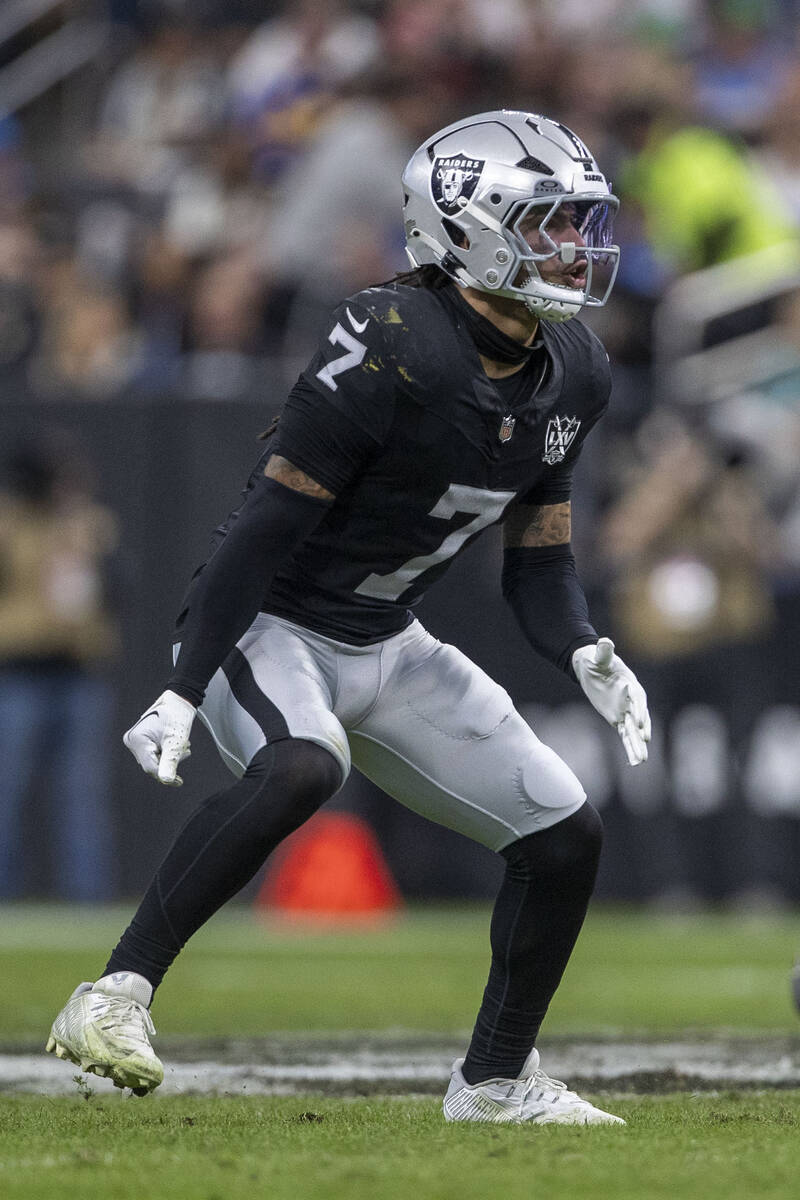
(768, 1062)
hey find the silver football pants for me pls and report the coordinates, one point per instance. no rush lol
(415, 715)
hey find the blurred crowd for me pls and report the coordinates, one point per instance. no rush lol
(230, 169)
(177, 220)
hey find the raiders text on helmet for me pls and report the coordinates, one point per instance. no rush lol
(472, 189)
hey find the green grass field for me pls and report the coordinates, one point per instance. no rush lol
(309, 1149)
(634, 973)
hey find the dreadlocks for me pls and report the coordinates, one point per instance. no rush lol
(427, 276)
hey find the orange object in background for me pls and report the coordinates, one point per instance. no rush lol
(331, 869)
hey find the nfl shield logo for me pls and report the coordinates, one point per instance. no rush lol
(558, 438)
(506, 428)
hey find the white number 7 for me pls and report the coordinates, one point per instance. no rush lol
(458, 498)
(355, 352)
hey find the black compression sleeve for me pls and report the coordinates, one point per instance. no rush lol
(229, 592)
(542, 586)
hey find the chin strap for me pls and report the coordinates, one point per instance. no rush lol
(551, 310)
(444, 259)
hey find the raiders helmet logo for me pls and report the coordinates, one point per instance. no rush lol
(454, 177)
(558, 438)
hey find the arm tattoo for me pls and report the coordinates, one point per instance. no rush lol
(292, 477)
(538, 525)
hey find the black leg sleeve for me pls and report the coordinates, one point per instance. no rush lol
(220, 848)
(536, 921)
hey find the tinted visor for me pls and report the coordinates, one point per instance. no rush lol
(594, 220)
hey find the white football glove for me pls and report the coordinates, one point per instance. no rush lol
(159, 741)
(617, 695)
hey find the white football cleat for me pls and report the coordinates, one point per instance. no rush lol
(533, 1098)
(105, 1028)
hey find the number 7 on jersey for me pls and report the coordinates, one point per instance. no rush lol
(489, 507)
(353, 356)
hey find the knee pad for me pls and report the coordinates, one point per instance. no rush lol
(300, 771)
(573, 844)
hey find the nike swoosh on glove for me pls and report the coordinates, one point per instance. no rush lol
(617, 695)
(159, 741)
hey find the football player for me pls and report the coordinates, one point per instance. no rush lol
(452, 398)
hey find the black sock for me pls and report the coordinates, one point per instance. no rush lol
(536, 921)
(220, 848)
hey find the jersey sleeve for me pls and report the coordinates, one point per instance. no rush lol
(341, 408)
(555, 487)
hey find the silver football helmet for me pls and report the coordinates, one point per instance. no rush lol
(475, 189)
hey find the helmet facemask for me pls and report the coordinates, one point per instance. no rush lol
(593, 219)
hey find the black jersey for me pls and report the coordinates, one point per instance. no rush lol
(396, 416)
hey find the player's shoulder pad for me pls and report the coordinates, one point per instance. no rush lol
(357, 315)
(395, 307)
(356, 353)
(406, 331)
(376, 316)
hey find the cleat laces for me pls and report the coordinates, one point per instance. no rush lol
(542, 1087)
(129, 1019)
